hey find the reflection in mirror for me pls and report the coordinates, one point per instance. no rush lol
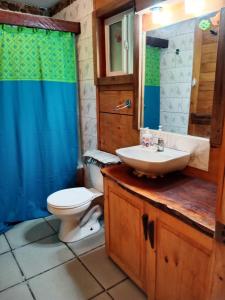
(179, 76)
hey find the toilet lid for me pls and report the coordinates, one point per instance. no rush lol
(70, 198)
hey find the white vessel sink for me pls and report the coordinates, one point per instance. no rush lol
(152, 163)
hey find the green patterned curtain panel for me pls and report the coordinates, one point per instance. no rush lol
(152, 63)
(152, 88)
(43, 57)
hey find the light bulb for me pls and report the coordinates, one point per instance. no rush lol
(160, 15)
(194, 6)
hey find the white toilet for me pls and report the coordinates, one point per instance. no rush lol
(70, 205)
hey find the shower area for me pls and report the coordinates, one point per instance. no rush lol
(38, 117)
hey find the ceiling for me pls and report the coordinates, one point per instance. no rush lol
(37, 3)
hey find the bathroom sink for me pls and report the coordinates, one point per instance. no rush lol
(153, 163)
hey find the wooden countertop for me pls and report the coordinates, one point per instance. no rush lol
(190, 199)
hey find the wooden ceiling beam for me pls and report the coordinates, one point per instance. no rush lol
(27, 20)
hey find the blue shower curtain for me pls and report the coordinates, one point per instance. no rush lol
(38, 120)
(152, 88)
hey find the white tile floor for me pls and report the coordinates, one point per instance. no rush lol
(35, 265)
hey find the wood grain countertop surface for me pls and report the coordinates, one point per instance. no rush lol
(190, 199)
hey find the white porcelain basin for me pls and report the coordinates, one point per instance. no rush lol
(153, 163)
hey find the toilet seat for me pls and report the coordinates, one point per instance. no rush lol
(70, 198)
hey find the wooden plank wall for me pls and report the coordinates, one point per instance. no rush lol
(115, 127)
(204, 71)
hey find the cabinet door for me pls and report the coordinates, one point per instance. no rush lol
(183, 260)
(124, 231)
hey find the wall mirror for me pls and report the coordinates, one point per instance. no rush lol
(178, 74)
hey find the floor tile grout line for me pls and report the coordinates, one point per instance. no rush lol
(21, 271)
(109, 295)
(7, 242)
(61, 264)
(29, 288)
(92, 250)
(47, 236)
(114, 285)
(12, 286)
(105, 289)
(99, 294)
(5, 252)
(78, 258)
(51, 225)
(87, 252)
(26, 280)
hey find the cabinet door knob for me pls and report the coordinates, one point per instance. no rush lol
(151, 233)
(145, 225)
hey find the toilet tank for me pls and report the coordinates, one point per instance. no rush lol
(93, 161)
(93, 177)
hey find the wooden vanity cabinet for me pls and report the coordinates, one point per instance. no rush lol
(124, 231)
(167, 258)
(180, 261)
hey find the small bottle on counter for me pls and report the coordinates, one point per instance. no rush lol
(146, 138)
(160, 140)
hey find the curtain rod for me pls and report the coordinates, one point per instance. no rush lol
(33, 21)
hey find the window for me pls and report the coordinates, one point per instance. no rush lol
(119, 44)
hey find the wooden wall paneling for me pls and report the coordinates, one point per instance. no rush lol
(98, 47)
(32, 21)
(110, 99)
(116, 131)
(204, 68)
(116, 80)
(115, 128)
(121, 87)
(219, 96)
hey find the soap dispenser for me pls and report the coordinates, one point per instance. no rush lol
(146, 137)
